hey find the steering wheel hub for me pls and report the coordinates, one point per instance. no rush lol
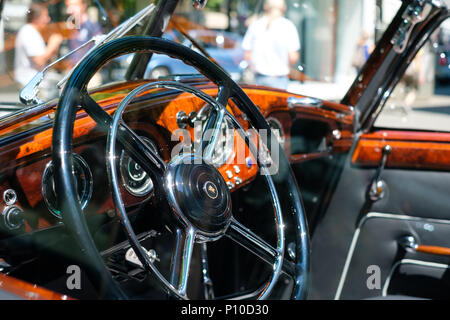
(199, 194)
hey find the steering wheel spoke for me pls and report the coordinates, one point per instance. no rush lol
(247, 239)
(145, 156)
(223, 94)
(252, 242)
(207, 281)
(139, 147)
(181, 259)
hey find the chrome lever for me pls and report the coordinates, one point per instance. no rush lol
(410, 244)
(377, 186)
(29, 93)
(207, 282)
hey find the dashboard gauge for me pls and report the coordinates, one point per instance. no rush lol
(135, 180)
(277, 129)
(83, 181)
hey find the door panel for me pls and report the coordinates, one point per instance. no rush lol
(417, 186)
(376, 244)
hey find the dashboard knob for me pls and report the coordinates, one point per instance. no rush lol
(14, 217)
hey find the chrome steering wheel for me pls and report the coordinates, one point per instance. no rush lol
(187, 176)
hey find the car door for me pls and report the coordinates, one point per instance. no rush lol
(385, 231)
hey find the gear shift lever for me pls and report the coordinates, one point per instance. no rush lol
(409, 243)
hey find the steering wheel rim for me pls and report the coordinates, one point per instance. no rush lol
(75, 94)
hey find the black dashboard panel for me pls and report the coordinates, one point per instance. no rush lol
(310, 136)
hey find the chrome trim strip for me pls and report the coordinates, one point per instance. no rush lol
(188, 248)
(372, 215)
(253, 239)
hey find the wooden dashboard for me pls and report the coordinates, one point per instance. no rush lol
(410, 149)
(25, 143)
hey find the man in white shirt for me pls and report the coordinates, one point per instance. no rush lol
(85, 28)
(31, 53)
(271, 46)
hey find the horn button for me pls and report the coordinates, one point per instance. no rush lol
(199, 194)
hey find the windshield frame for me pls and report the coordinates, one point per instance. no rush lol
(385, 67)
(156, 27)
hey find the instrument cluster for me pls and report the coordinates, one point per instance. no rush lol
(135, 181)
(36, 179)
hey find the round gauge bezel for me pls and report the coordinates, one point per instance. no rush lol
(48, 177)
(148, 187)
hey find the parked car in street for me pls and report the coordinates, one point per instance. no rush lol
(442, 48)
(223, 47)
(443, 58)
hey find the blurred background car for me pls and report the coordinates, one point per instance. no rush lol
(443, 65)
(223, 47)
(443, 54)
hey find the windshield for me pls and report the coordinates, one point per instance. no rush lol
(310, 47)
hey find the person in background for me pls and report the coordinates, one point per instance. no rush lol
(363, 50)
(85, 29)
(31, 53)
(272, 46)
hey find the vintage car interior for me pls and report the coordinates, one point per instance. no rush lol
(105, 179)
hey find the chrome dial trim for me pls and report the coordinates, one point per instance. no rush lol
(145, 183)
(84, 176)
